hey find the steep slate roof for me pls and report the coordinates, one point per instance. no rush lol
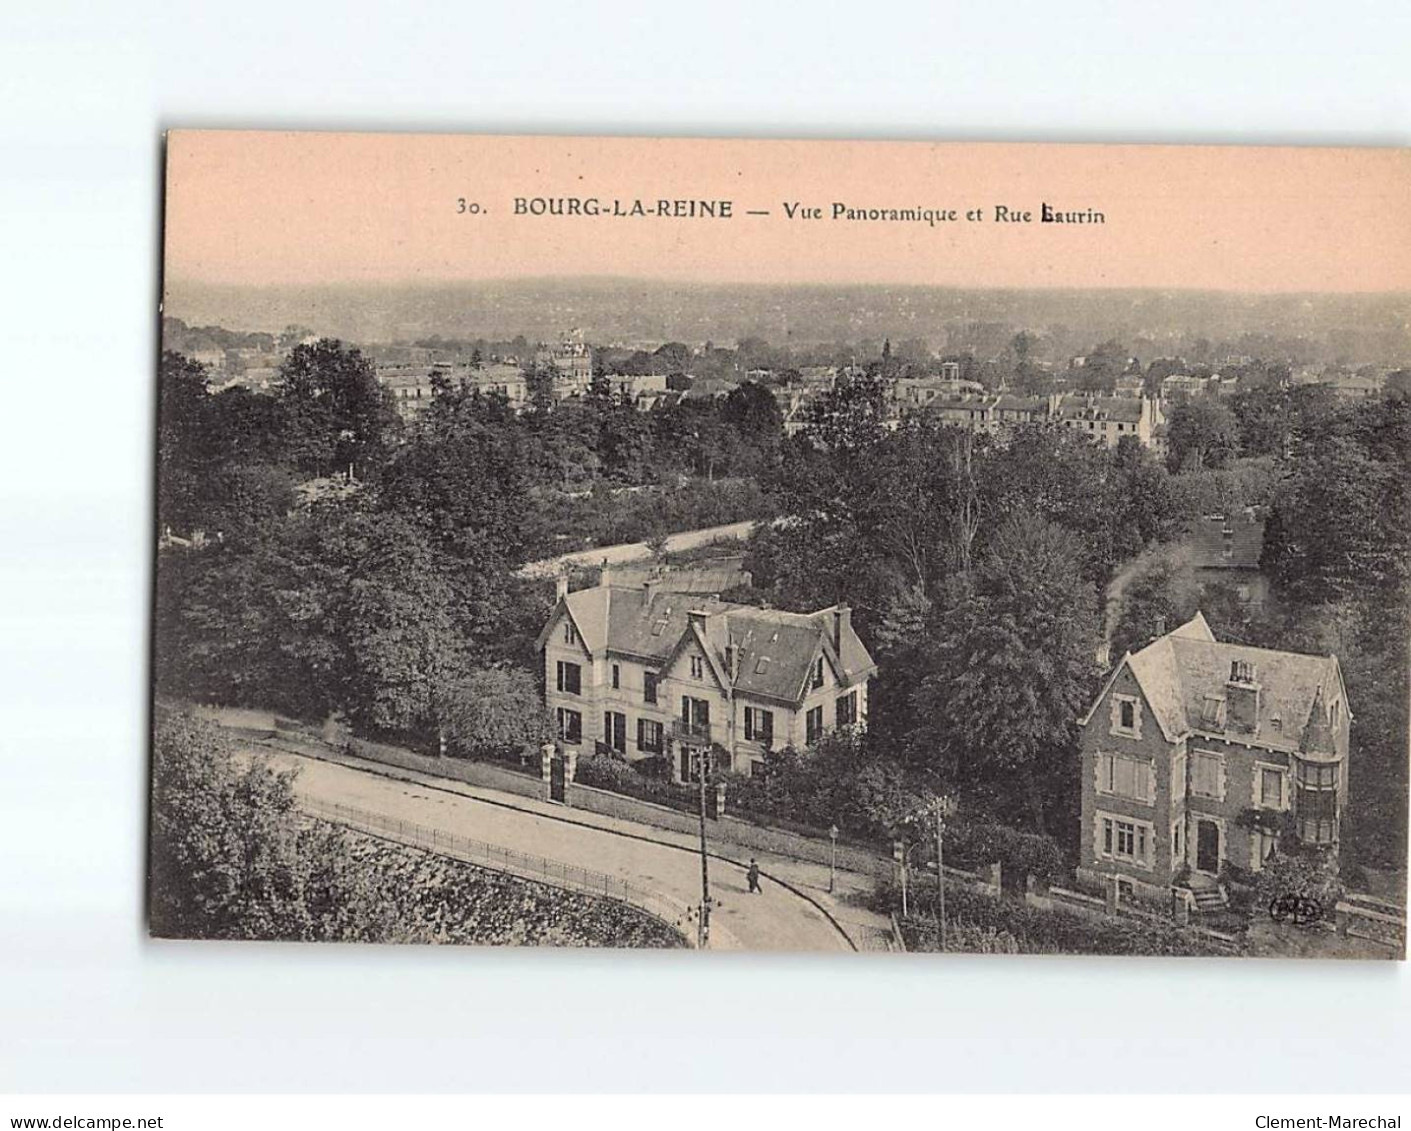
(1208, 541)
(1078, 407)
(774, 650)
(1182, 671)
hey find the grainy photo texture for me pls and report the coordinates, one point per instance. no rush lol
(837, 546)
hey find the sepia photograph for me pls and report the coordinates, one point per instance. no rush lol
(782, 546)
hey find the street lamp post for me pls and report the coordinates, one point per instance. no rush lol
(703, 936)
(832, 856)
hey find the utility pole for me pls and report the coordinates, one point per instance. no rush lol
(941, 870)
(832, 856)
(703, 935)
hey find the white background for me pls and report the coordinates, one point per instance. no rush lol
(86, 1003)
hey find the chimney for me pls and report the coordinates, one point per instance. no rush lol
(560, 586)
(650, 588)
(697, 617)
(605, 575)
(1242, 698)
(1160, 627)
(842, 621)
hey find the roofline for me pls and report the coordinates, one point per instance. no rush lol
(1086, 717)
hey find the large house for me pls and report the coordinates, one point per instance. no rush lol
(1226, 549)
(1105, 420)
(645, 671)
(1196, 752)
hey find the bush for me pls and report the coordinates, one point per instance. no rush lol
(1018, 853)
(1301, 873)
(601, 771)
(985, 925)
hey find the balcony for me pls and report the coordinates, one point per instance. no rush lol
(689, 732)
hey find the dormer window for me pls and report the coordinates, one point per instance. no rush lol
(1212, 711)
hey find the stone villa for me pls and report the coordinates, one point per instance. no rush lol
(1196, 752)
(644, 671)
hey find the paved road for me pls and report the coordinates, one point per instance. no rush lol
(777, 919)
(638, 551)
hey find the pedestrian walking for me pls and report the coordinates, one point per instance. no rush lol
(754, 874)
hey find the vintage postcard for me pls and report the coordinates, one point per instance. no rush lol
(774, 545)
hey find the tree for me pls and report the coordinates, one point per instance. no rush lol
(1339, 525)
(495, 710)
(183, 436)
(1202, 433)
(337, 417)
(1011, 666)
(751, 410)
(228, 857)
(1155, 594)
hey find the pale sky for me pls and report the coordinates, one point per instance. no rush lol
(306, 208)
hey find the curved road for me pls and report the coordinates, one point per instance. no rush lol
(776, 919)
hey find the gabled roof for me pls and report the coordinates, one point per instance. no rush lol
(1084, 407)
(1209, 540)
(773, 651)
(1183, 676)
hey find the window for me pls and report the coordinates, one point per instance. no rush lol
(695, 716)
(570, 726)
(1261, 847)
(1208, 775)
(1125, 840)
(616, 677)
(1175, 841)
(649, 687)
(649, 736)
(1271, 788)
(570, 678)
(817, 674)
(846, 707)
(759, 725)
(813, 725)
(1212, 711)
(691, 764)
(569, 635)
(1126, 716)
(615, 730)
(1317, 803)
(1124, 776)
(697, 667)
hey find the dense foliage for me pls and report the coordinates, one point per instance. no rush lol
(385, 587)
(981, 924)
(231, 858)
(978, 567)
